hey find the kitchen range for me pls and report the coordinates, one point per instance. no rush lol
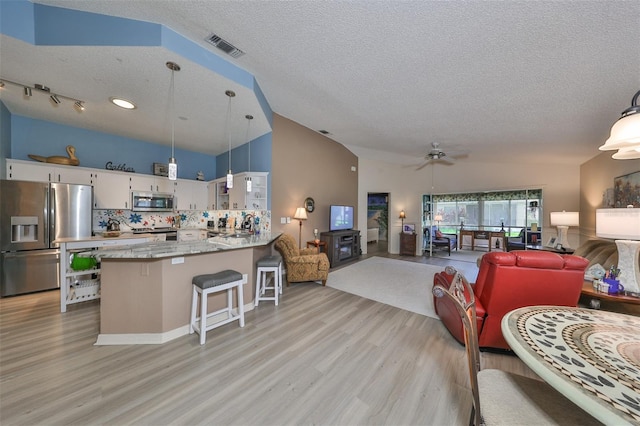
(171, 234)
(32, 216)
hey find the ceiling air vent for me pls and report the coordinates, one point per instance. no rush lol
(225, 46)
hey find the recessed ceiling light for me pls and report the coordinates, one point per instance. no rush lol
(123, 103)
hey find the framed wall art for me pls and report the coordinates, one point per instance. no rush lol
(626, 190)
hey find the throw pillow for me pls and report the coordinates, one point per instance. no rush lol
(438, 234)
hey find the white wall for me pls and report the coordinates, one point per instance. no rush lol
(405, 185)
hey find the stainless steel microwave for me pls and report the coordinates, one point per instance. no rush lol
(152, 201)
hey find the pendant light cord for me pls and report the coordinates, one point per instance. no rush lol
(229, 131)
(246, 137)
(173, 115)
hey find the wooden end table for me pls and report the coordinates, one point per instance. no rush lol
(596, 296)
(322, 245)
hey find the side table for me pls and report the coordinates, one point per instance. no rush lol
(322, 245)
(596, 296)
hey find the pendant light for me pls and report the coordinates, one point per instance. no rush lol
(249, 118)
(173, 166)
(230, 94)
(625, 133)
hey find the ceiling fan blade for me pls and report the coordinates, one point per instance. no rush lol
(423, 165)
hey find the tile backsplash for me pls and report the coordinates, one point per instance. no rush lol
(130, 220)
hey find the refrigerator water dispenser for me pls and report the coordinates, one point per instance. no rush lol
(24, 229)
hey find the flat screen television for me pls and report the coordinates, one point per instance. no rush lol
(341, 218)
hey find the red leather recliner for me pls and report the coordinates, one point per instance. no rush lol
(507, 281)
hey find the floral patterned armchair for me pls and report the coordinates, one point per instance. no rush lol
(302, 264)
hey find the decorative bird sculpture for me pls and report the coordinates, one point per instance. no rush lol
(71, 160)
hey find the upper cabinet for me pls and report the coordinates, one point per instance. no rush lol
(47, 172)
(238, 197)
(111, 190)
(151, 183)
(249, 191)
(191, 194)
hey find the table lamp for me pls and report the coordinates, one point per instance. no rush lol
(563, 220)
(402, 218)
(438, 219)
(623, 225)
(301, 214)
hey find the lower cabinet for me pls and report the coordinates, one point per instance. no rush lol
(407, 244)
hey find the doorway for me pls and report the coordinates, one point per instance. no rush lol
(377, 222)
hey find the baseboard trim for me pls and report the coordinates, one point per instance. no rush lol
(155, 338)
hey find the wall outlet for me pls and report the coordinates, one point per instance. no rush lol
(288, 219)
(283, 220)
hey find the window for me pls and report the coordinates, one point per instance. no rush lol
(508, 210)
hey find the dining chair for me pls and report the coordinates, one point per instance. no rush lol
(499, 397)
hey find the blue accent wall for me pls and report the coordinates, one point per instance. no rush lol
(95, 149)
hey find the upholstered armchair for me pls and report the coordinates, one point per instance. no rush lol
(302, 264)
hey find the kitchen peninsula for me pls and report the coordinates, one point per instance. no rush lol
(146, 288)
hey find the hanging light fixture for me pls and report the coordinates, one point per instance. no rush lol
(173, 166)
(230, 94)
(625, 133)
(249, 118)
(630, 153)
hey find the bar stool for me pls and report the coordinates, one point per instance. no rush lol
(266, 265)
(211, 283)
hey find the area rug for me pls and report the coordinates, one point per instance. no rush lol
(403, 284)
(461, 255)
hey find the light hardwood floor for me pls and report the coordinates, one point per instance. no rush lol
(321, 357)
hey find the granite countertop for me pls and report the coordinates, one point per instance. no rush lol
(167, 249)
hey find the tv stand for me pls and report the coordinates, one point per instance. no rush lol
(342, 246)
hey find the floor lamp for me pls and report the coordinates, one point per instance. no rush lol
(301, 214)
(623, 225)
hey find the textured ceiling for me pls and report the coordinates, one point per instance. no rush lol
(536, 81)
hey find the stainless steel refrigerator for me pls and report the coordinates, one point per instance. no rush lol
(32, 216)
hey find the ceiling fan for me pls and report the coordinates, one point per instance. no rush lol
(438, 155)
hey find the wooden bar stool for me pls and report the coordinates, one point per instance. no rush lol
(269, 264)
(211, 283)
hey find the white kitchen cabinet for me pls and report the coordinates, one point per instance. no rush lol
(256, 199)
(191, 194)
(211, 195)
(111, 190)
(47, 172)
(191, 234)
(151, 183)
(222, 193)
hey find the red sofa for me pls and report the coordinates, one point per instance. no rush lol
(511, 280)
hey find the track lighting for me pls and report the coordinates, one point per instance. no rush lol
(55, 98)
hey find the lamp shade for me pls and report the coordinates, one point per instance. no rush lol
(301, 213)
(627, 153)
(402, 215)
(618, 224)
(437, 218)
(564, 218)
(624, 133)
